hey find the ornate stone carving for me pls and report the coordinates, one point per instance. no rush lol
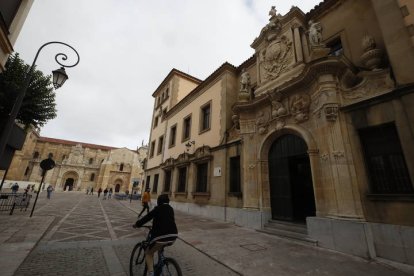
(245, 88)
(338, 154)
(324, 157)
(275, 58)
(274, 26)
(331, 112)
(372, 57)
(261, 123)
(299, 107)
(374, 83)
(315, 33)
(278, 108)
(236, 123)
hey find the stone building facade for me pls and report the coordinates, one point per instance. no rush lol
(79, 166)
(316, 128)
(13, 13)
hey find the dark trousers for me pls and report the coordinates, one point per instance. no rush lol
(145, 206)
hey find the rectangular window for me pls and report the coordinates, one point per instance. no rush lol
(167, 181)
(148, 182)
(155, 186)
(182, 179)
(160, 144)
(205, 117)
(385, 160)
(187, 128)
(335, 47)
(152, 149)
(235, 174)
(164, 114)
(202, 174)
(173, 134)
(155, 121)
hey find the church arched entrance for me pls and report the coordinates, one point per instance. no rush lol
(69, 184)
(117, 188)
(290, 178)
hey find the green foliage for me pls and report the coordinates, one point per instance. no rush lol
(39, 102)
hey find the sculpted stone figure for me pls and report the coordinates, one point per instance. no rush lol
(315, 33)
(245, 81)
(272, 11)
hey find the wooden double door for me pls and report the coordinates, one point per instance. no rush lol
(290, 178)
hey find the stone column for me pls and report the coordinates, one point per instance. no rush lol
(298, 44)
(251, 196)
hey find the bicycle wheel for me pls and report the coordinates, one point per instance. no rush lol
(170, 268)
(137, 266)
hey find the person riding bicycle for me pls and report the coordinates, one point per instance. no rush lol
(164, 230)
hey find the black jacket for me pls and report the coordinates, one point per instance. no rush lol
(163, 224)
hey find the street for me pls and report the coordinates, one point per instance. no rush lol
(88, 233)
(78, 234)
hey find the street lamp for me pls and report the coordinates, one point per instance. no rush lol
(59, 78)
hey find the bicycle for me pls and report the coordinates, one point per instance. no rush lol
(164, 266)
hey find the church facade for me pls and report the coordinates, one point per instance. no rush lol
(316, 128)
(79, 166)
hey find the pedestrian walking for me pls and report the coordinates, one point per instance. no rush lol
(105, 193)
(91, 191)
(146, 198)
(49, 191)
(110, 193)
(15, 188)
(99, 192)
(87, 191)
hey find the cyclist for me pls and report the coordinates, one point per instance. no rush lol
(164, 230)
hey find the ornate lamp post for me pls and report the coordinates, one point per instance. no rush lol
(59, 78)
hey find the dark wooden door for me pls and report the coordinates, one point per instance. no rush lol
(291, 189)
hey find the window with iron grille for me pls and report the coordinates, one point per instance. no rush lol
(202, 176)
(173, 133)
(182, 179)
(385, 160)
(235, 174)
(167, 180)
(148, 182)
(155, 186)
(205, 117)
(160, 144)
(152, 149)
(186, 128)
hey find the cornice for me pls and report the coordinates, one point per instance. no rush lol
(201, 88)
(172, 73)
(327, 65)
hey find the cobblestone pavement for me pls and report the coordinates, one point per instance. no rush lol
(78, 234)
(92, 236)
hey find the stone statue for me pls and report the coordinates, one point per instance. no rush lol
(315, 33)
(273, 11)
(245, 81)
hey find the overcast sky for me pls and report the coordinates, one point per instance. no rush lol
(127, 47)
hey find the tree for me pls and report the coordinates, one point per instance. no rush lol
(38, 105)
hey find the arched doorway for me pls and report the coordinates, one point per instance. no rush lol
(69, 184)
(117, 187)
(290, 178)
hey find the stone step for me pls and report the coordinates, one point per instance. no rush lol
(292, 231)
(287, 226)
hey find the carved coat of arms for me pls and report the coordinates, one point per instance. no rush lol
(275, 58)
